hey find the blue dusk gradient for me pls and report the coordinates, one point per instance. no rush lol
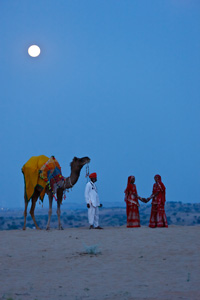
(118, 81)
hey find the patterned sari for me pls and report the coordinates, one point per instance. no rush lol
(131, 199)
(158, 217)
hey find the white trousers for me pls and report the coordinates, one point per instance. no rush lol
(93, 215)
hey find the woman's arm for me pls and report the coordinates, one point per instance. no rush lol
(140, 198)
(152, 196)
(144, 200)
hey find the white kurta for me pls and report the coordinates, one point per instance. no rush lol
(92, 198)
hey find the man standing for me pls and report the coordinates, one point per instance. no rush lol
(92, 200)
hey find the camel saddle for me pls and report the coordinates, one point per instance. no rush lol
(41, 170)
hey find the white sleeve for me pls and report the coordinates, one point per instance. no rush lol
(87, 192)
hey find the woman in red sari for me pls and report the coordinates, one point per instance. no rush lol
(131, 199)
(158, 217)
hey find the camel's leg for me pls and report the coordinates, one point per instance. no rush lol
(25, 213)
(50, 210)
(34, 200)
(59, 201)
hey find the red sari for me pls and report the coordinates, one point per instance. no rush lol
(131, 199)
(158, 217)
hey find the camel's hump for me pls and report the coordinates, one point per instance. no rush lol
(35, 162)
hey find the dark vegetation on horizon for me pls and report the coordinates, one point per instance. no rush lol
(185, 214)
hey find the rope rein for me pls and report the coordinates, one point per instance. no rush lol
(87, 172)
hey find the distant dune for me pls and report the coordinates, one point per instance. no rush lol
(112, 264)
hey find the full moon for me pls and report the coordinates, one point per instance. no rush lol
(34, 51)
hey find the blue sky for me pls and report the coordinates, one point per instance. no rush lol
(117, 81)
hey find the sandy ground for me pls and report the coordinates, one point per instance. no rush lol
(140, 263)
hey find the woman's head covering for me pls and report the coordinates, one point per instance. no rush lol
(161, 187)
(158, 177)
(129, 184)
(130, 178)
(93, 175)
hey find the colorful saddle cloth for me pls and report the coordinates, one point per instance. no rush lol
(41, 170)
(51, 173)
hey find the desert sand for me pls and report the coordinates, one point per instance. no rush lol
(141, 263)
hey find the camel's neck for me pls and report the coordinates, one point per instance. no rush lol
(72, 179)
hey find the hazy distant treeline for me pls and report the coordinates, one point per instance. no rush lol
(177, 214)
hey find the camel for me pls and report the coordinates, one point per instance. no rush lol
(76, 166)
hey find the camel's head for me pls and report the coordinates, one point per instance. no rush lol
(78, 163)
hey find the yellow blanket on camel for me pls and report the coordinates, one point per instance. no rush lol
(31, 175)
(42, 171)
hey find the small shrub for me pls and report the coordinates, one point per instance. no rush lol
(93, 249)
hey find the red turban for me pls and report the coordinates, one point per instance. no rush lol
(93, 175)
